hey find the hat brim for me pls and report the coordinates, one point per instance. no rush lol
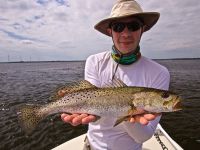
(149, 19)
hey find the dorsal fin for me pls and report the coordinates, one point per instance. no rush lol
(115, 83)
(67, 89)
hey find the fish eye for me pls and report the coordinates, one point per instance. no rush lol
(165, 95)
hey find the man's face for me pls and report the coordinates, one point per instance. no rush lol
(126, 40)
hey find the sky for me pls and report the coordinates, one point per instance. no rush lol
(51, 30)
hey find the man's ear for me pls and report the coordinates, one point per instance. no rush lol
(109, 31)
(143, 28)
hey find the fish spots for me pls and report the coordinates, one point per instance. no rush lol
(100, 102)
(165, 95)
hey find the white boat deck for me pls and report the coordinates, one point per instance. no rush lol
(152, 144)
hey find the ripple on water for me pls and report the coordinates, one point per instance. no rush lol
(35, 82)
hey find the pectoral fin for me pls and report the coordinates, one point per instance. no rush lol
(131, 113)
(121, 119)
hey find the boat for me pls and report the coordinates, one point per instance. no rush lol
(160, 141)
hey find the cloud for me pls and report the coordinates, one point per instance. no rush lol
(18, 36)
(27, 42)
(177, 27)
(58, 29)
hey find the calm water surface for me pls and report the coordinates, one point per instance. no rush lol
(35, 82)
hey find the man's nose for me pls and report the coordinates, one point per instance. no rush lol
(126, 32)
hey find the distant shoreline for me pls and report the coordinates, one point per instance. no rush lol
(177, 59)
(85, 60)
(43, 61)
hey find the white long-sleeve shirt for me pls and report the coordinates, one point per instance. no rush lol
(99, 70)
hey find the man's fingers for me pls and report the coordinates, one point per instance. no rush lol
(63, 116)
(149, 117)
(132, 120)
(76, 119)
(144, 119)
(68, 118)
(88, 119)
(141, 120)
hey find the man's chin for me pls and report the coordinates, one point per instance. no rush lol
(125, 51)
(126, 48)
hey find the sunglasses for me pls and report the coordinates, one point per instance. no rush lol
(120, 26)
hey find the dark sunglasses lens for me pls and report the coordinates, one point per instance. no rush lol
(133, 26)
(118, 27)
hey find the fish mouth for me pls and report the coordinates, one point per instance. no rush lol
(177, 105)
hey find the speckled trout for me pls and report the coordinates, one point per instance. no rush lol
(117, 100)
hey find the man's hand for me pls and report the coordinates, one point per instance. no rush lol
(77, 119)
(144, 118)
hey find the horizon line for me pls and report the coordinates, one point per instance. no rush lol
(43, 61)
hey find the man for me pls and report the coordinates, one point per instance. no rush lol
(126, 24)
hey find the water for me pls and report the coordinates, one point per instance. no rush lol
(35, 82)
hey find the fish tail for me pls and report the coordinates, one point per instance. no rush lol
(29, 117)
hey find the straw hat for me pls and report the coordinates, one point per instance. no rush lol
(128, 8)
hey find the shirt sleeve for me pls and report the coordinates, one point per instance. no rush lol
(162, 80)
(91, 70)
(141, 133)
